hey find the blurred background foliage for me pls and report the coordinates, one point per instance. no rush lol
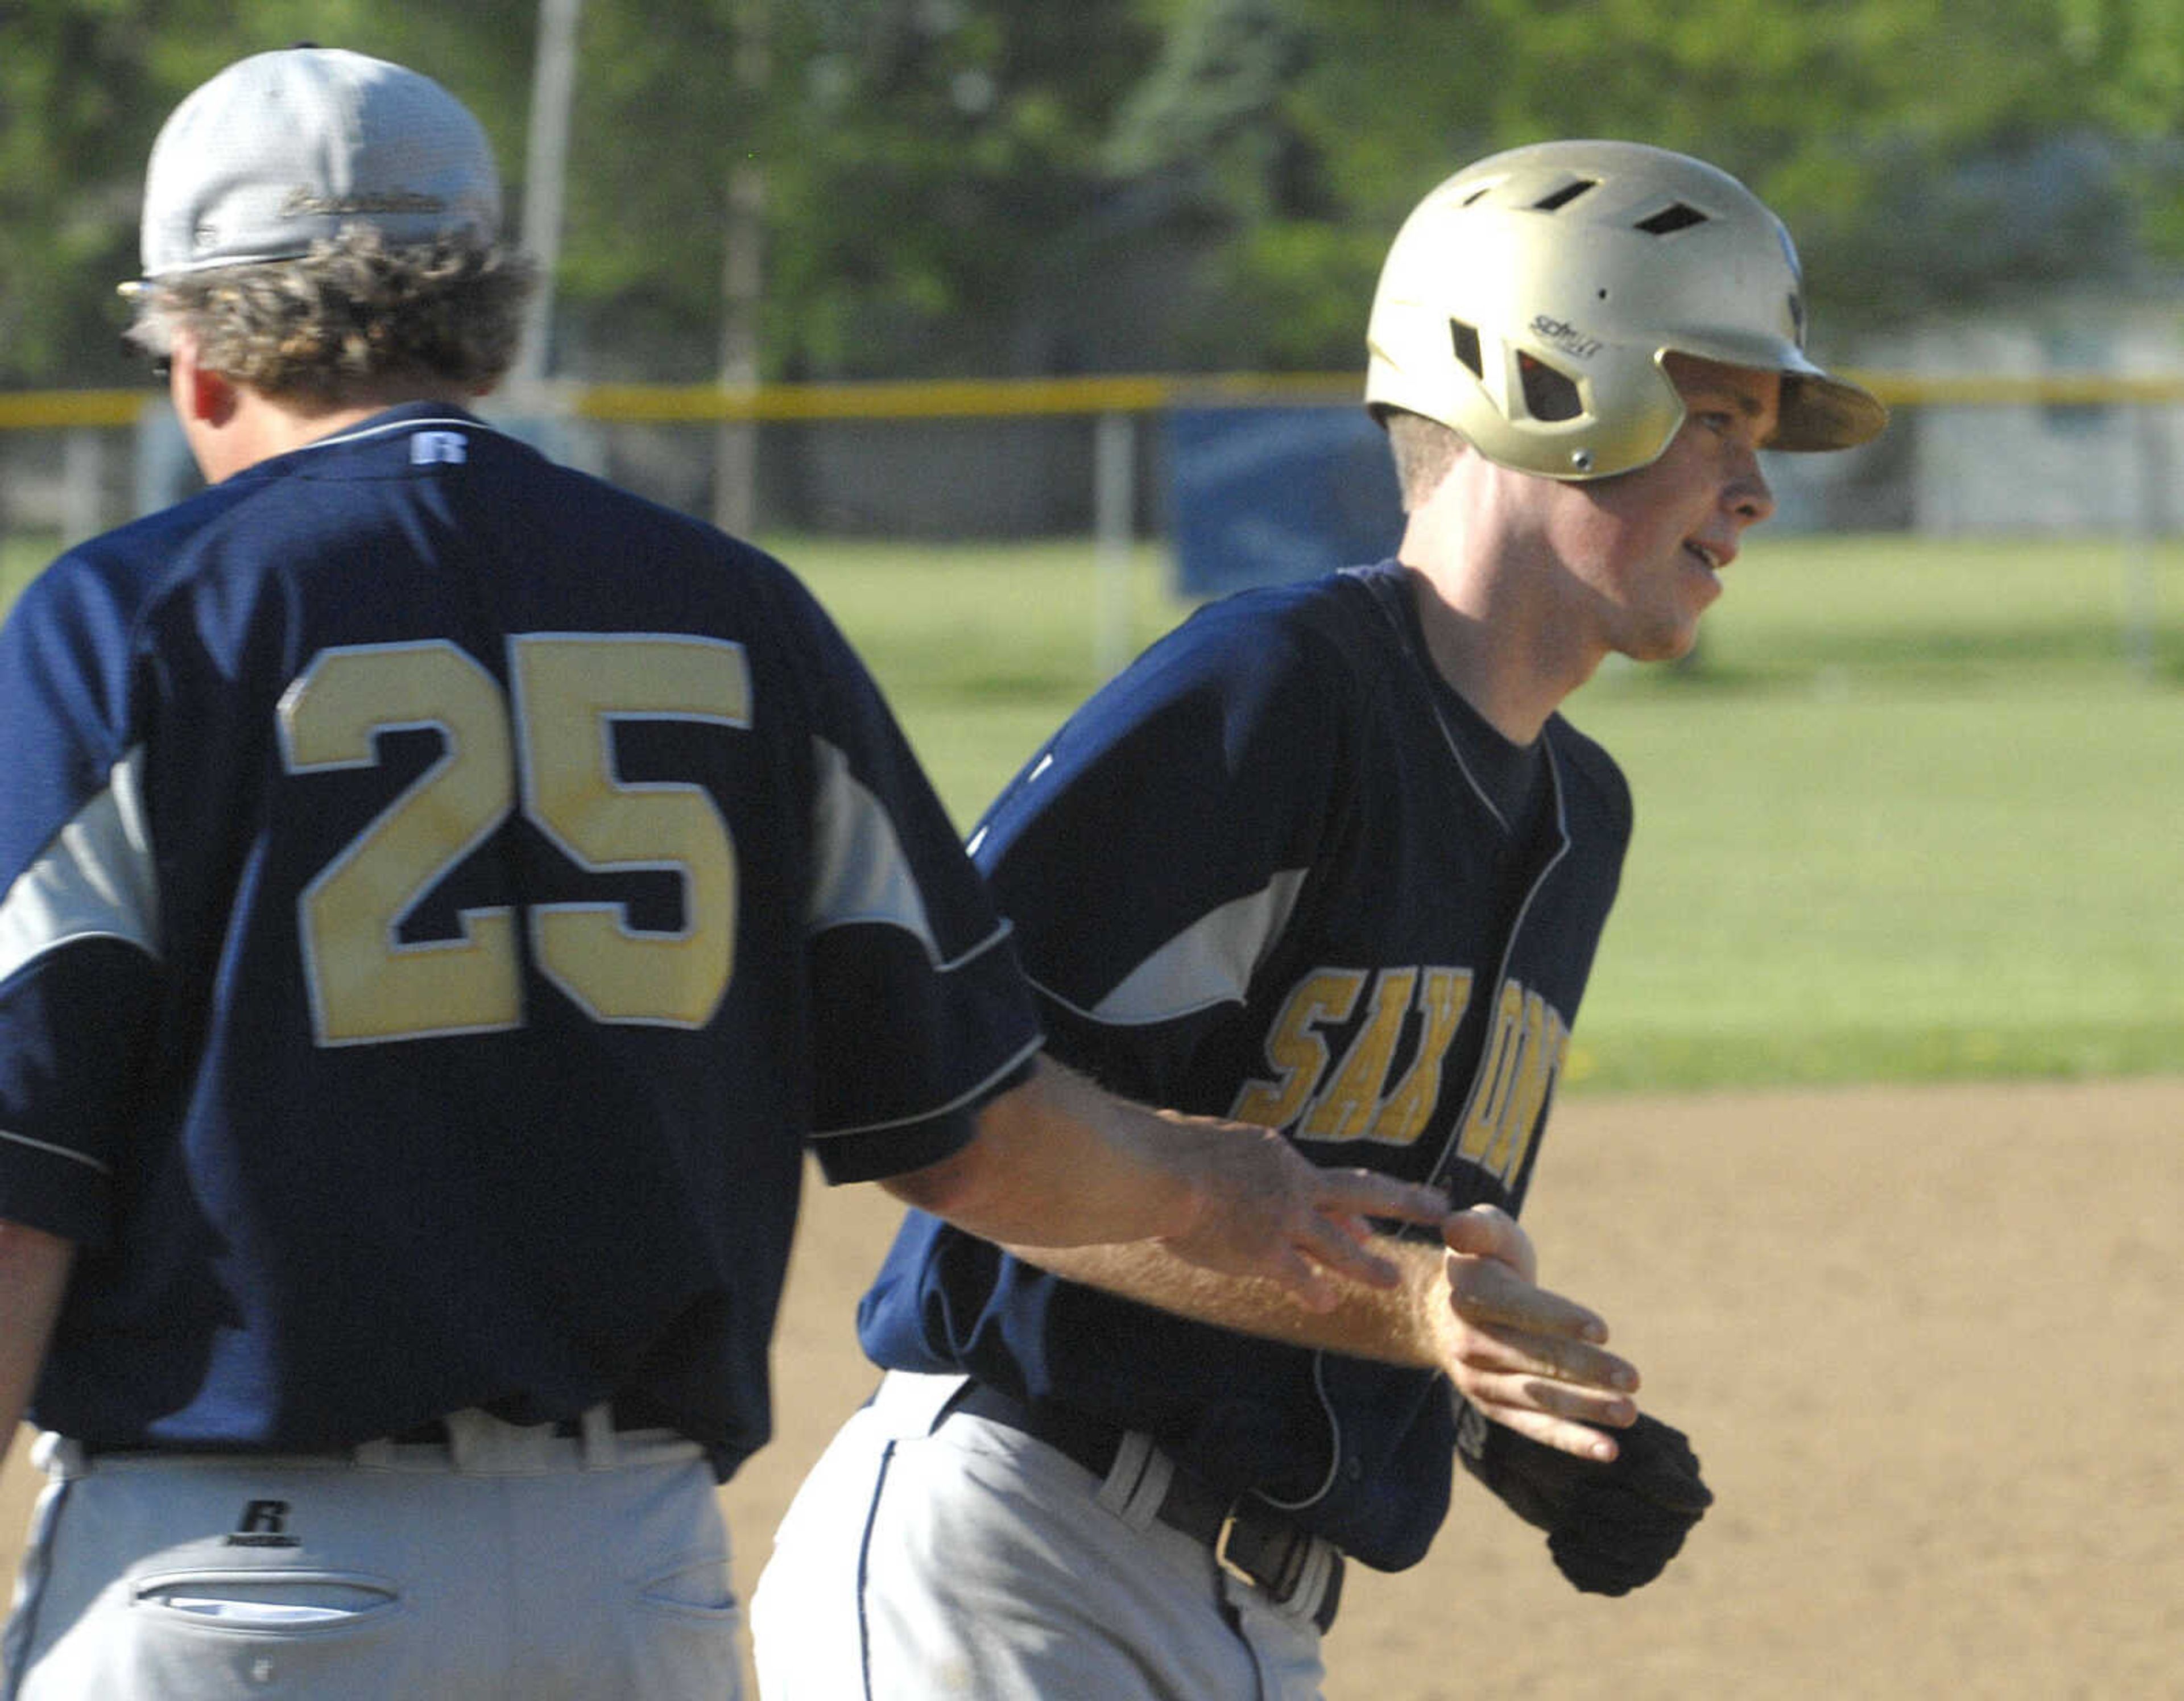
(996, 188)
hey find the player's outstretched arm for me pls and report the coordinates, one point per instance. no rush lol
(1527, 1358)
(1061, 1161)
(34, 1273)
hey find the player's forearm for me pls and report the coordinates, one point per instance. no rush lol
(1059, 1162)
(1402, 1325)
(34, 1272)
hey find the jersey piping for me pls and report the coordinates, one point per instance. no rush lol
(408, 424)
(1480, 1078)
(1209, 962)
(984, 1090)
(48, 1148)
(1412, 645)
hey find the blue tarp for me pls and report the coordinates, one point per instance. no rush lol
(1264, 495)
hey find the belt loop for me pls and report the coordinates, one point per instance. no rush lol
(1330, 1591)
(479, 1444)
(59, 1457)
(465, 1442)
(601, 1451)
(1137, 1483)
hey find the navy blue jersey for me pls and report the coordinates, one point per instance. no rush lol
(1278, 871)
(443, 899)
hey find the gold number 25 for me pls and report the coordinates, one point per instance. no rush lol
(552, 733)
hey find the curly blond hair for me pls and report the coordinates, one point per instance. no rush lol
(350, 318)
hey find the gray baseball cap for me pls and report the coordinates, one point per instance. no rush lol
(282, 149)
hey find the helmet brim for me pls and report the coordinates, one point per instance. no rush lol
(1819, 410)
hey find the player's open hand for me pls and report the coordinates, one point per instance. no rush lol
(1527, 1358)
(1265, 1209)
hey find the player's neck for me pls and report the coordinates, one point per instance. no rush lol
(1486, 634)
(1491, 664)
(1498, 616)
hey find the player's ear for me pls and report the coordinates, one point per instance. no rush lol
(199, 392)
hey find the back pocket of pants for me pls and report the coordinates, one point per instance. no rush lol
(263, 1602)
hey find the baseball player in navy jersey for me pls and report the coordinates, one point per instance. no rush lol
(443, 900)
(1329, 858)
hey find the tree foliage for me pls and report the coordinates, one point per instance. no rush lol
(973, 186)
(920, 159)
(1930, 156)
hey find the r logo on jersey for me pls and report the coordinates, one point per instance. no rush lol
(439, 448)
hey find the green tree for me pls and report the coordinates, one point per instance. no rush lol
(1931, 155)
(72, 80)
(920, 159)
(968, 187)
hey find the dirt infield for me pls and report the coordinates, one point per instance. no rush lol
(1929, 1344)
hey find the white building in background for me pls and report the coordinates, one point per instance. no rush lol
(2100, 454)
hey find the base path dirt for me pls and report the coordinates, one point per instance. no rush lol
(1929, 1343)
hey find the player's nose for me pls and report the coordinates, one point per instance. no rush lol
(1749, 497)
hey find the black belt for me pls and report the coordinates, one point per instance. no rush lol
(1249, 1539)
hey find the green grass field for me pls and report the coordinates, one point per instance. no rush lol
(1915, 813)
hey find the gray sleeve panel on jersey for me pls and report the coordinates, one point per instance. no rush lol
(94, 881)
(860, 873)
(1209, 962)
(862, 876)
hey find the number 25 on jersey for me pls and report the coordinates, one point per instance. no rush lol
(551, 735)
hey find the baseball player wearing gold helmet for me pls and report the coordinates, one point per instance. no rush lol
(1328, 858)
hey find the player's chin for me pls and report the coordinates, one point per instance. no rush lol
(1663, 640)
(1698, 591)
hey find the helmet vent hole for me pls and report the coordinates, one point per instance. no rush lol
(1555, 200)
(1465, 338)
(1675, 216)
(1549, 396)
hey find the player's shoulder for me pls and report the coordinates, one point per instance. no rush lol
(649, 520)
(1301, 631)
(1332, 604)
(574, 513)
(1273, 668)
(98, 588)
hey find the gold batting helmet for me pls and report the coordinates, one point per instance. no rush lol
(1528, 301)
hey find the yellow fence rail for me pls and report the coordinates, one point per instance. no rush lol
(998, 397)
(1115, 403)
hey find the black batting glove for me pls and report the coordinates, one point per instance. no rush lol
(1610, 1528)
